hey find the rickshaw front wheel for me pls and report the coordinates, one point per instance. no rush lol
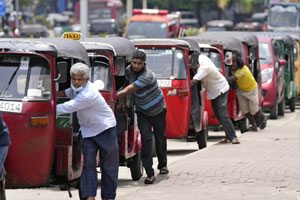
(136, 167)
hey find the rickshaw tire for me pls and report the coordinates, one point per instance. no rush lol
(274, 111)
(243, 125)
(202, 138)
(281, 107)
(136, 167)
(292, 104)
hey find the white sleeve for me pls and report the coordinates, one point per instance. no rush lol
(78, 103)
(68, 92)
(201, 73)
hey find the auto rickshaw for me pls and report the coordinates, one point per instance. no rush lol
(44, 147)
(109, 58)
(217, 47)
(33, 31)
(287, 53)
(174, 62)
(273, 83)
(296, 38)
(251, 57)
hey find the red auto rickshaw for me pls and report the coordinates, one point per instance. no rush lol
(251, 57)
(43, 147)
(174, 62)
(217, 46)
(109, 58)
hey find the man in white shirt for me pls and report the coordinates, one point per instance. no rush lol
(98, 128)
(217, 90)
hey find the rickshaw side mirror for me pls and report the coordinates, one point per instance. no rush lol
(120, 65)
(62, 71)
(282, 62)
(193, 58)
(228, 58)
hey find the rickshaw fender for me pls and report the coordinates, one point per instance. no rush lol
(205, 120)
(138, 142)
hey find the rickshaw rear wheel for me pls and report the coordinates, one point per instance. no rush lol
(202, 138)
(292, 104)
(243, 124)
(281, 107)
(136, 167)
(274, 110)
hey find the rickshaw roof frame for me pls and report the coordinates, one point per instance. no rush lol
(296, 4)
(119, 46)
(227, 42)
(246, 37)
(285, 37)
(58, 47)
(191, 45)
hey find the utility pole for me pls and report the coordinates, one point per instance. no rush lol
(84, 17)
(144, 4)
(17, 14)
(128, 11)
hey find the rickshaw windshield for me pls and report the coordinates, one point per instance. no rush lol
(167, 63)
(285, 16)
(25, 78)
(264, 53)
(101, 74)
(144, 29)
(215, 58)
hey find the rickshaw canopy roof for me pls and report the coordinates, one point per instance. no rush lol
(220, 23)
(190, 44)
(119, 46)
(286, 38)
(246, 37)
(227, 42)
(58, 47)
(33, 29)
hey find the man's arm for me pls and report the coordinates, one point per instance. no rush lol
(127, 90)
(61, 93)
(231, 79)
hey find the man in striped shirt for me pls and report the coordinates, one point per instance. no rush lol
(151, 112)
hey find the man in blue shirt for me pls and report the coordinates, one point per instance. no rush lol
(98, 128)
(151, 112)
(4, 144)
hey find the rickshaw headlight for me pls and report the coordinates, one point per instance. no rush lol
(39, 121)
(266, 75)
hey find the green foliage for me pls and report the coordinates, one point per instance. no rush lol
(191, 32)
(42, 20)
(24, 3)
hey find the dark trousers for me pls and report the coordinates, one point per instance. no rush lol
(145, 124)
(109, 163)
(219, 106)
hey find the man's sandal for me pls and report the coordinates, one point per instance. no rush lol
(224, 141)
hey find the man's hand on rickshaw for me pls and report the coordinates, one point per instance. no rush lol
(193, 82)
(231, 79)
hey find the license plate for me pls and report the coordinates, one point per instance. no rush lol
(8, 106)
(164, 83)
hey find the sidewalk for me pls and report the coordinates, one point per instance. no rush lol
(266, 165)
